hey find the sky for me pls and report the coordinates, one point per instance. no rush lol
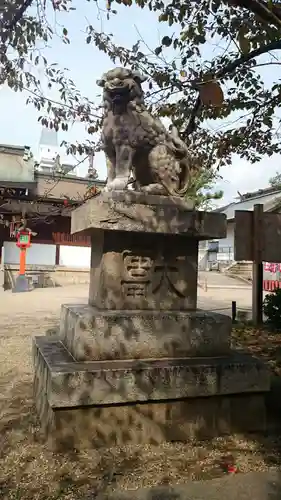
(19, 122)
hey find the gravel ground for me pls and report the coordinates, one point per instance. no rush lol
(29, 471)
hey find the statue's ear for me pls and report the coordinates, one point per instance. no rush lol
(138, 76)
(101, 82)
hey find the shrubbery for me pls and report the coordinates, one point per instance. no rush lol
(272, 309)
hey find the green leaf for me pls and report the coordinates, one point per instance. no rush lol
(246, 111)
(167, 41)
(163, 17)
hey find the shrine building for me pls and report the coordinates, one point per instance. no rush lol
(43, 194)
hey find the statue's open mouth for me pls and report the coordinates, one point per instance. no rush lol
(118, 93)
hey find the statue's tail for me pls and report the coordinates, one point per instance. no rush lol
(181, 151)
(179, 144)
(183, 181)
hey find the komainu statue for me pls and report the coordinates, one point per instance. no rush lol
(137, 146)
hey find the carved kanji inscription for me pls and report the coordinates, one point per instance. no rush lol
(170, 274)
(144, 275)
(137, 271)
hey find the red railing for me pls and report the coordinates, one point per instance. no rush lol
(271, 285)
(71, 239)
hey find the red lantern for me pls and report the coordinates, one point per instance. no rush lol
(23, 239)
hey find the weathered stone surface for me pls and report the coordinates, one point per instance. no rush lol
(136, 142)
(143, 271)
(91, 334)
(99, 382)
(72, 384)
(155, 423)
(128, 211)
(150, 422)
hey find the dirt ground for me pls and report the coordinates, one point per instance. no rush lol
(28, 470)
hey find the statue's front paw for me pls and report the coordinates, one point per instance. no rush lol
(154, 189)
(118, 184)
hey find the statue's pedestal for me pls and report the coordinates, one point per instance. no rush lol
(140, 363)
(22, 284)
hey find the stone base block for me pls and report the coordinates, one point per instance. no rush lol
(22, 284)
(91, 334)
(120, 402)
(144, 250)
(151, 423)
(139, 212)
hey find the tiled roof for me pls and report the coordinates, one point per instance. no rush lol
(269, 200)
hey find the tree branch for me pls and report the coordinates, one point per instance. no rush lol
(18, 15)
(270, 14)
(229, 68)
(192, 120)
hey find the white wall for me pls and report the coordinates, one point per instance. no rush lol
(202, 259)
(225, 256)
(38, 254)
(226, 245)
(229, 240)
(13, 168)
(45, 255)
(75, 256)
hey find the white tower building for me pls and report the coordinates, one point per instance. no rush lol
(50, 156)
(48, 150)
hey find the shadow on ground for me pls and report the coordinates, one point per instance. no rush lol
(29, 471)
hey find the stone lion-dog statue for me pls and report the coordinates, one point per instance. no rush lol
(136, 144)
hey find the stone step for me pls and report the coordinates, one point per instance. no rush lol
(72, 383)
(91, 334)
(104, 403)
